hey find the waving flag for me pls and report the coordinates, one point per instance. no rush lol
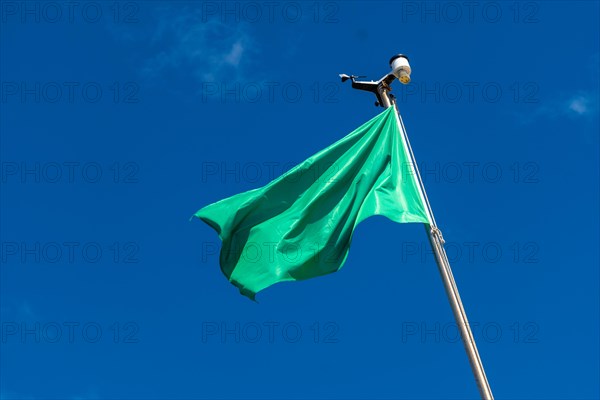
(300, 225)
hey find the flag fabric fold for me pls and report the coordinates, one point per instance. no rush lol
(300, 225)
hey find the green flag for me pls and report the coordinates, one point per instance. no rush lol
(300, 225)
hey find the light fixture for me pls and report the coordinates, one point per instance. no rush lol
(400, 68)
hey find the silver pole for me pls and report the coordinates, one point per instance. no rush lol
(437, 244)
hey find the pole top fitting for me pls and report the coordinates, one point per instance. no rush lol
(398, 56)
(401, 68)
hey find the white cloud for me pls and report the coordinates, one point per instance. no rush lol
(185, 44)
(235, 54)
(580, 105)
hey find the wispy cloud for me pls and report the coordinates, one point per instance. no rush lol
(208, 50)
(581, 104)
(177, 41)
(234, 56)
(578, 105)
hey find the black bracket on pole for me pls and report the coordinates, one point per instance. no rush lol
(371, 86)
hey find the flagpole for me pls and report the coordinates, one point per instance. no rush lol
(437, 244)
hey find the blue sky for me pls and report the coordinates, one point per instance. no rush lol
(120, 120)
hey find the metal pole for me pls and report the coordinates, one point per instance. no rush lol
(437, 244)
